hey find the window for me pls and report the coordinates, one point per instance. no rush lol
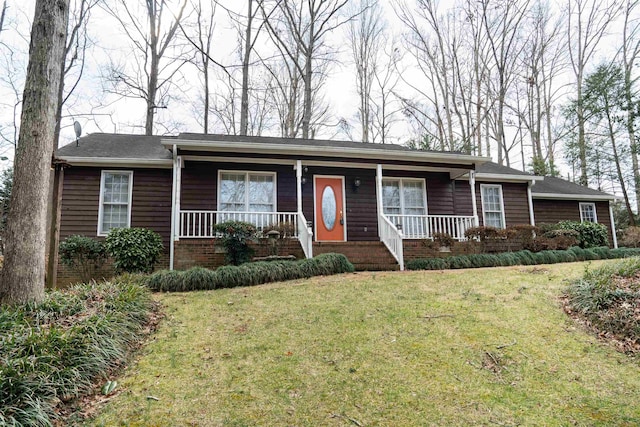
(492, 206)
(588, 212)
(247, 192)
(403, 197)
(115, 200)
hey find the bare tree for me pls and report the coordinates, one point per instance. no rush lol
(24, 269)
(366, 37)
(307, 24)
(384, 103)
(2, 15)
(151, 30)
(588, 21)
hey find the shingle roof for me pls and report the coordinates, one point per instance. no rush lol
(494, 168)
(553, 185)
(117, 146)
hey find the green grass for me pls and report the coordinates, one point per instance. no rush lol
(474, 347)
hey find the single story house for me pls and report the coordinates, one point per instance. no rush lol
(372, 202)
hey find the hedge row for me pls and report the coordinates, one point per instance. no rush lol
(608, 297)
(248, 274)
(55, 351)
(520, 258)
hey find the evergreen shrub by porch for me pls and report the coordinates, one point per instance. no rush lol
(235, 236)
(134, 250)
(247, 274)
(524, 257)
(590, 234)
(62, 348)
(83, 254)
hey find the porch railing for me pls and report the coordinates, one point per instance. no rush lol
(392, 238)
(424, 226)
(199, 224)
(305, 235)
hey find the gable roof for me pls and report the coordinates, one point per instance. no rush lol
(557, 188)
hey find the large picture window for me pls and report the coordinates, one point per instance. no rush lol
(247, 192)
(588, 212)
(115, 201)
(403, 197)
(492, 206)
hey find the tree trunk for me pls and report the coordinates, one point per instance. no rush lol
(23, 274)
(244, 99)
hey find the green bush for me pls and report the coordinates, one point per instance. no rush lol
(134, 250)
(248, 274)
(234, 237)
(83, 255)
(590, 234)
(55, 351)
(524, 257)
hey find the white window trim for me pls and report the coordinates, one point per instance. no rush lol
(595, 212)
(246, 181)
(401, 179)
(100, 232)
(499, 187)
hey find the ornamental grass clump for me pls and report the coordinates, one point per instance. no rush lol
(55, 351)
(608, 298)
(248, 274)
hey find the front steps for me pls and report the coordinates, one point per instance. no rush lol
(365, 256)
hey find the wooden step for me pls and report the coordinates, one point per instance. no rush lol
(365, 256)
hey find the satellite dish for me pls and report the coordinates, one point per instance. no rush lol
(78, 129)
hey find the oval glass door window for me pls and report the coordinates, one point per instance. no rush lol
(329, 208)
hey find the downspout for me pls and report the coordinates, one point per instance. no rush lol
(613, 226)
(173, 208)
(474, 203)
(532, 218)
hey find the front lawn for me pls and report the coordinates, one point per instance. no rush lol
(465, 347)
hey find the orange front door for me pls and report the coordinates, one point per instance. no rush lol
(330, 221)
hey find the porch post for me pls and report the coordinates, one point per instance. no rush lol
(532, 218)
(613, 226)
(299, 184)
(474, 204)
(379, 195)
(173, 209)
(179, 166)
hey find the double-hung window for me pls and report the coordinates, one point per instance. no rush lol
(115, 201)
(247, 191)
(404, 201)
(588, 212)
(492, 206)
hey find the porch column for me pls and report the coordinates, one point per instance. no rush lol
(173, 208)
(179, 166)
(613, 225)
(379, 195)
(299, 185)
(532, 218)
(474, 204)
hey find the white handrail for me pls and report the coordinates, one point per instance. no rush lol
(199, 224)
(425, 226)
(305, 235)
(392, 239)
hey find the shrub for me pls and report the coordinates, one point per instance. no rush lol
(631, 237)
(590, 234)
(443, 239)
(427, 264)
(234, 237)
(248, 274)
(56, 351)
(83, 254)
(482, 233)
(134, 250)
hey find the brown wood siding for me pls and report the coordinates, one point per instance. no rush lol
(150, 205)
(552, 211)
(516, 204)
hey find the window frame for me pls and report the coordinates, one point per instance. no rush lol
(401, 188)
(595, 212)
(100, 231)
(484, 211)
(247, 174)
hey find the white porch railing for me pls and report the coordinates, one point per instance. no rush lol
(199, 224)
(424, 226)
(305, 235)
(392, 238)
